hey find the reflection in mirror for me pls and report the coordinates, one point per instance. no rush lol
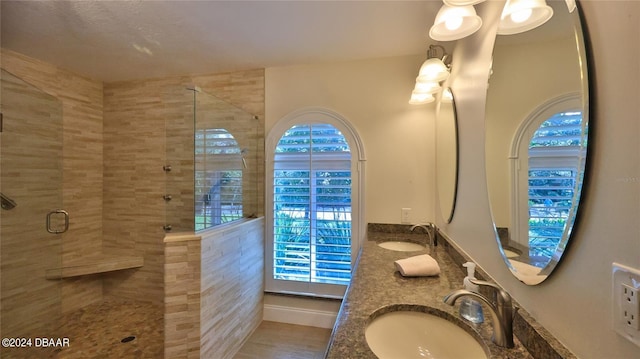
(536, 141)
(446, 154)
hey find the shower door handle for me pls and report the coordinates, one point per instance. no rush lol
(66, 221)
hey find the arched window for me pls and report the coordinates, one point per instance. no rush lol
(550, 155)
(314, 216)
(218, 178)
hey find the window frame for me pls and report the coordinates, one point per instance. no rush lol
(311, 116)
(519, 159)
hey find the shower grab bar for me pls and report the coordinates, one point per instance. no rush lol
(6, 202)
(66, 221)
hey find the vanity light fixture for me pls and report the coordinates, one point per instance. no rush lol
(424, 92)
(523, 15)
(455, 22)
(433, 71)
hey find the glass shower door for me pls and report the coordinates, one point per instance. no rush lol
(31, 170)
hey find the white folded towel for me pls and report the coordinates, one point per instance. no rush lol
(422, 265)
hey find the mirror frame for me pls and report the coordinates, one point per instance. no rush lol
(450, 173)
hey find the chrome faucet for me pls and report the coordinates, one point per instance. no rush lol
(430, 228)
(501, 312)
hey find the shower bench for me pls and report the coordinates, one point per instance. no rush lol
(94, 264)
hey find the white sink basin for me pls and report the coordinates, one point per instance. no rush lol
(401, 246)
(406, 334)
(524, 268)
(527, 273)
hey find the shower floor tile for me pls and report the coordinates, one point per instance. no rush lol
(97, 330)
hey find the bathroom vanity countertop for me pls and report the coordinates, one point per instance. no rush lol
(376, 284)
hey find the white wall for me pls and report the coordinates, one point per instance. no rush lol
(398, 138)
(574, 304)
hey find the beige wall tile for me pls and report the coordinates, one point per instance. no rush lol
(214, 291)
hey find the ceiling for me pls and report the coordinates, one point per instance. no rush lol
(123, 40)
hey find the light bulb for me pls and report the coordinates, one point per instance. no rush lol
(521, 16)
(453, 23)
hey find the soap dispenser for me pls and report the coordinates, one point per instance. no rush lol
(471, 309)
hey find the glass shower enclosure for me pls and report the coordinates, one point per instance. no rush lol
(32, 218)
(214, 179)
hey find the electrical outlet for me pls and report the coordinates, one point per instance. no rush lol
(626, 307)
(405, 216)
(629, 306)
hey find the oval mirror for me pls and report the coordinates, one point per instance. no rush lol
(536, 141)
(446, 154)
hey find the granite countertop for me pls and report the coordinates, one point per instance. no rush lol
(376, 284)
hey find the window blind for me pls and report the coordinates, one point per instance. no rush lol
(564, 129)
(312, 206)
(218, 178)
(556, 151)
(550, 196)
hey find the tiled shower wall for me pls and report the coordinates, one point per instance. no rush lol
(214, 287)
(82, 107)
(134, 153)
(232, 287)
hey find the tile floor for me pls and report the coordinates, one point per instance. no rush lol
(285, 341)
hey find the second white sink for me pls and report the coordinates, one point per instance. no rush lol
(527, 273)
(414, 334)
(401, 246)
